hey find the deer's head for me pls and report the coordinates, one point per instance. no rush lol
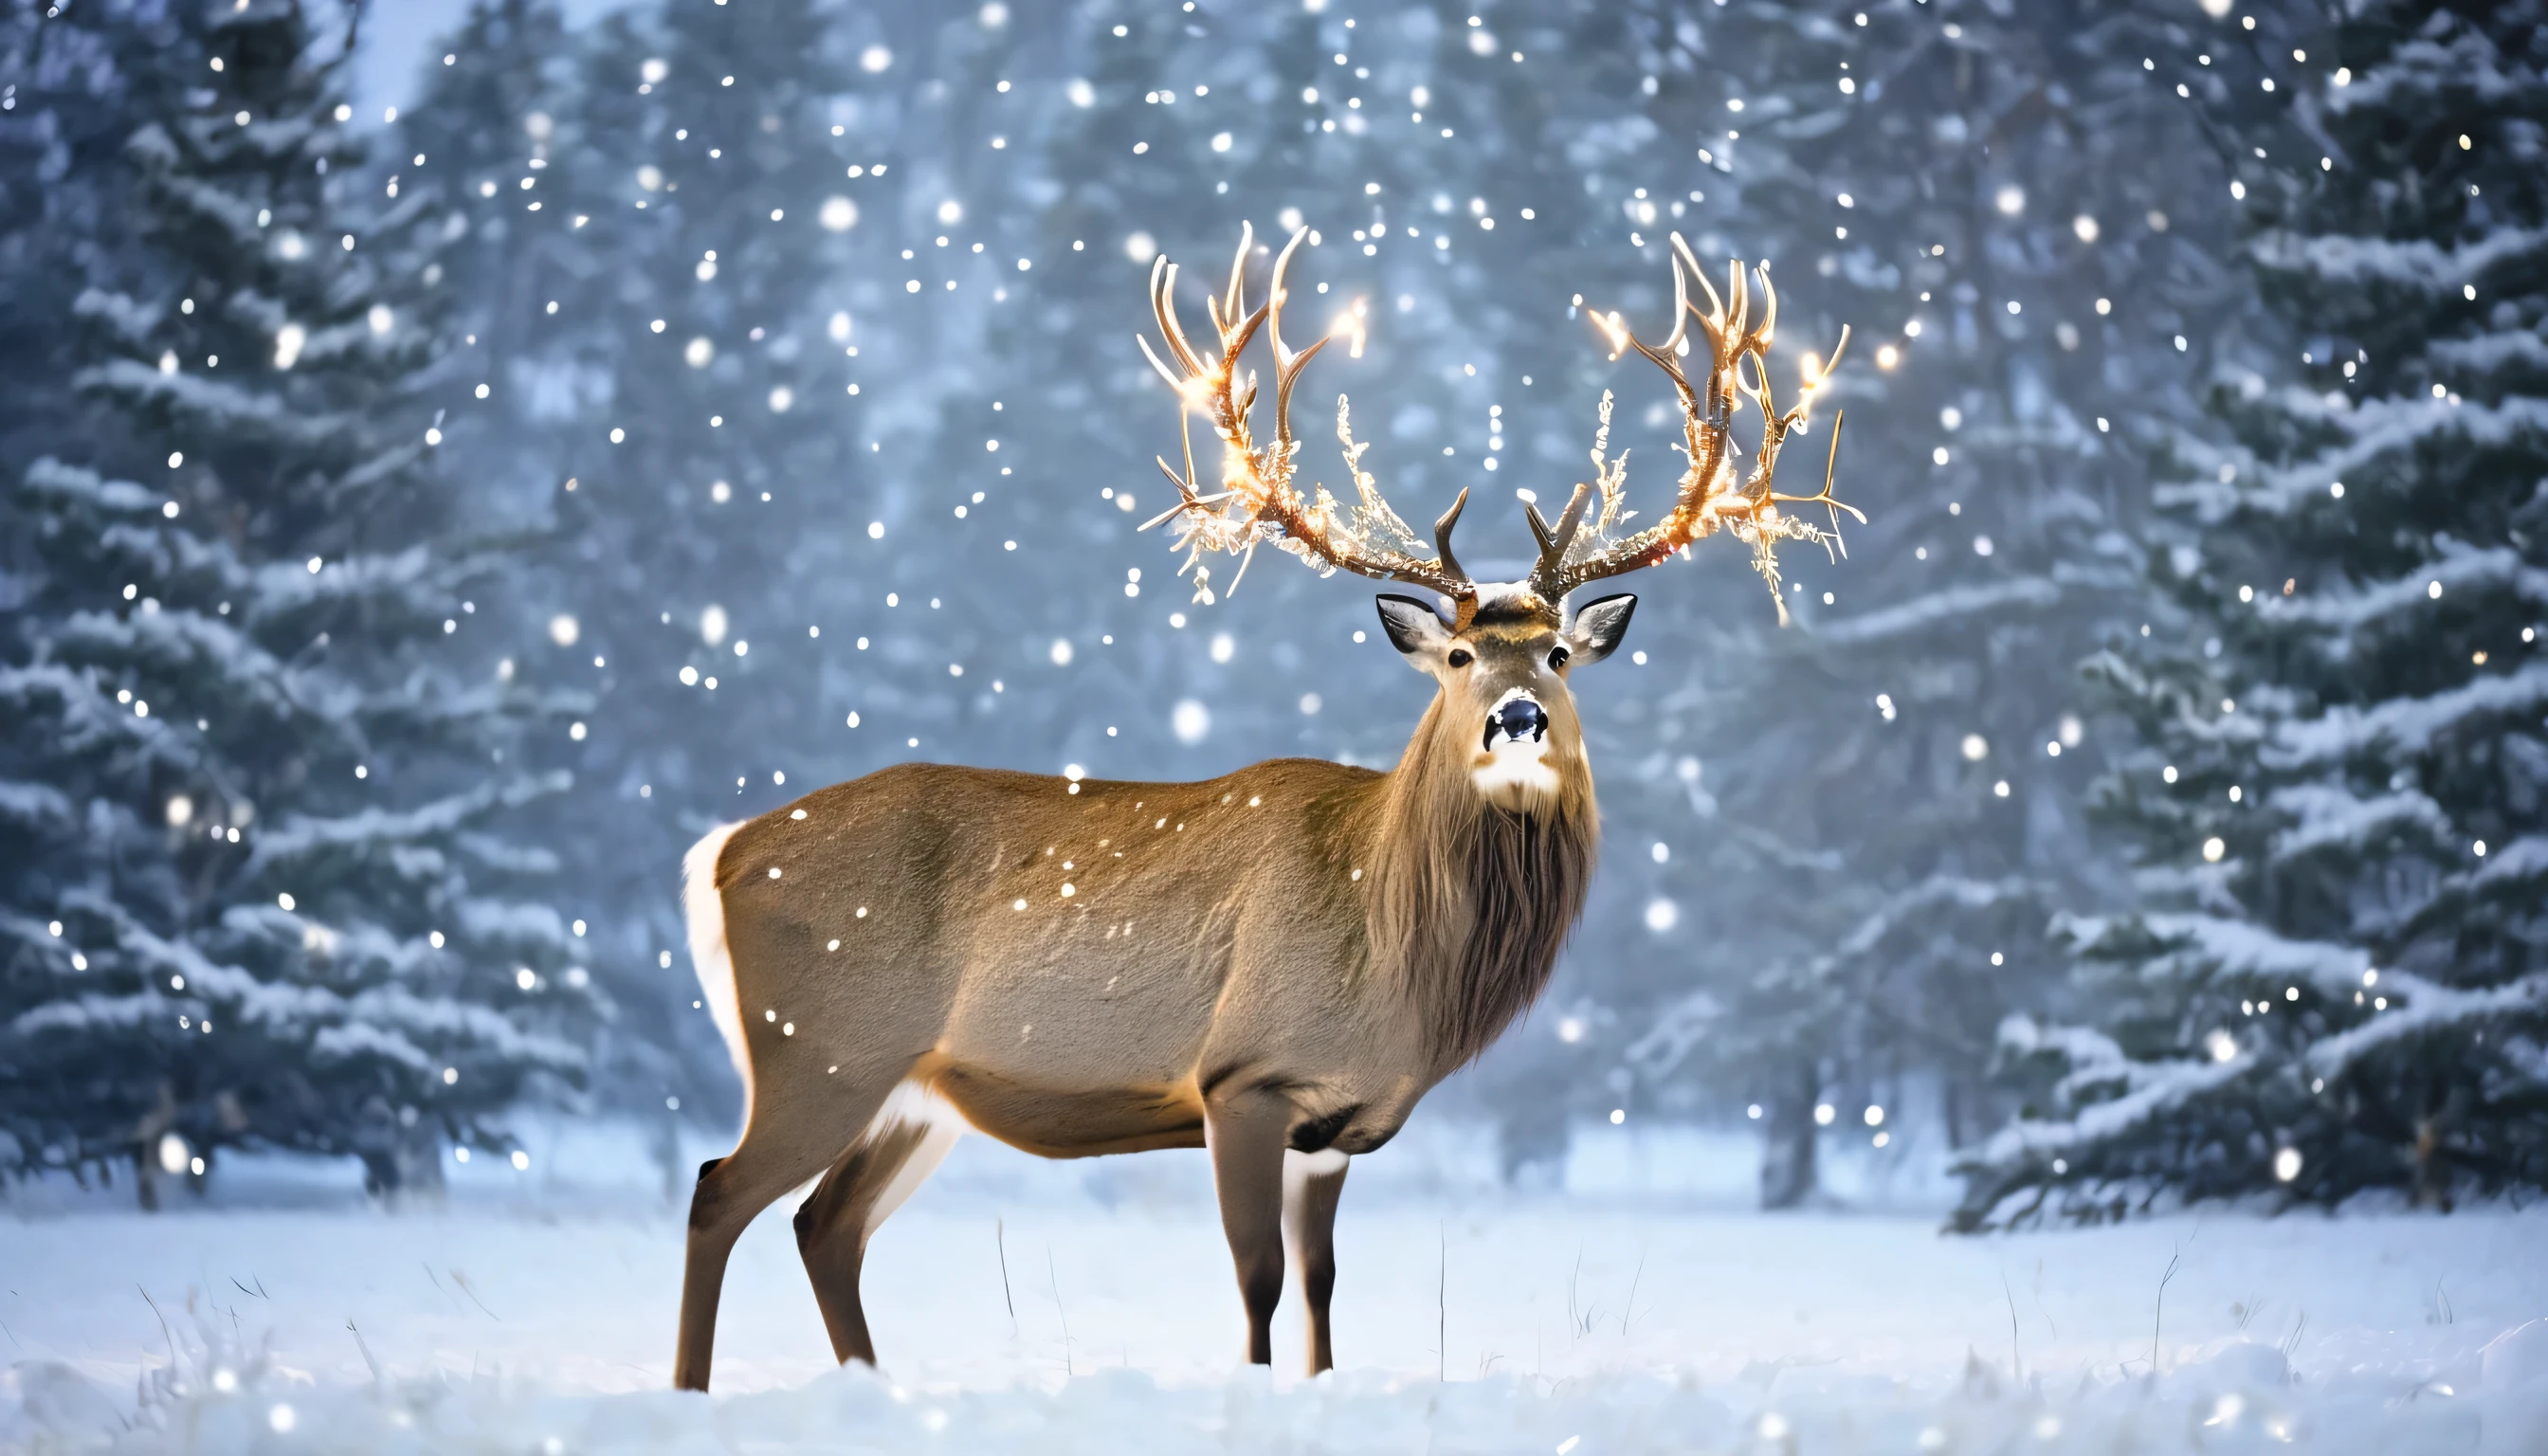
(1504, 717)
(1501, 650)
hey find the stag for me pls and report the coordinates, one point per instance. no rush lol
(1274, 965)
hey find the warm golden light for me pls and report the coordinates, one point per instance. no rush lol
(1811, 367)
(1886, 356)
(1613, 331)
(1348, 327)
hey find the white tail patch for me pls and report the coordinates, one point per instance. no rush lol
(704, 910)
(913, 1105)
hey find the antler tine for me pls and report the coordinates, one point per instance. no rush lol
(1548, 575)
(1159, 364)
(1671, 346)
(1287, 365)
(1714, 318)
(1768, 311)
(1539, 532)
(1275, 296)
(1667, 358)
(1757, 385)
(1235, 302)
(1443, 535)
(1163, 306)
(1667, 355)
(1831, 467)
(1833, 362)
(1234, 337)
(1831, 464)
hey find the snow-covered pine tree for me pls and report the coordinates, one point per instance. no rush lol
(941, 619)
(268, 893)
(478, 127)
(1866, 816)
(691, 214)
(49, 153)
(509, 109)
(2338, 799)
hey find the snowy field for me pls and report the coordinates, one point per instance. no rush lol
(1063, 1308)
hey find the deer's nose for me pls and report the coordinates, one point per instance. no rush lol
(1519, 718)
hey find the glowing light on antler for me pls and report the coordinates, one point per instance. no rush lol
(1612, 330)
(1259, 504)
(1712, 495)
(1348, 327)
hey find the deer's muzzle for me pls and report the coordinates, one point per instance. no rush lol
(1519, 718)
(1515, 767)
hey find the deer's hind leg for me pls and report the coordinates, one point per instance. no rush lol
(786, 1142)
(887, 1164)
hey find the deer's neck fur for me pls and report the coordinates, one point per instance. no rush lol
(1472, 903)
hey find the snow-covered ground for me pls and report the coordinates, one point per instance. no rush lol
(1053, 1307)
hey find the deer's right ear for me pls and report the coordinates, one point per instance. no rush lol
(1416, 629)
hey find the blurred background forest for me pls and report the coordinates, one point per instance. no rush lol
(452, 458)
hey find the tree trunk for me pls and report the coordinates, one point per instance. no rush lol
(407, 1169)
(154, 1125)
(1532, 1137)
(1789, 1135)
(667, 1149)
(401, 1156)
(2432, 1168)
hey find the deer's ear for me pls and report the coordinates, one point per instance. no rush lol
(1416, 629)
(1599, 627)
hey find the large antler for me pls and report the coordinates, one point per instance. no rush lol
(1709, 495)
(1257, 501)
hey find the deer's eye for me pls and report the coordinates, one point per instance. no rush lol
(1460, 657)
(1556, 658)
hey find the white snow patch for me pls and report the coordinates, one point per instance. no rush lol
(539, 1307)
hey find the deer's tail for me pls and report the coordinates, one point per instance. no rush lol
(703, 907)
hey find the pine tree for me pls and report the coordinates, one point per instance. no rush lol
(508, 109)
(260, 793)
(48, 156)
(2340, 979)
(1862, 816)
(668, 222)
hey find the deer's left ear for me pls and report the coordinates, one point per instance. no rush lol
(1599, 626)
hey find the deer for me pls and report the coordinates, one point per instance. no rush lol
(1274, 966)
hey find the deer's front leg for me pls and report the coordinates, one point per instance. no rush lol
(1311, 1184)
(1246, 1132)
